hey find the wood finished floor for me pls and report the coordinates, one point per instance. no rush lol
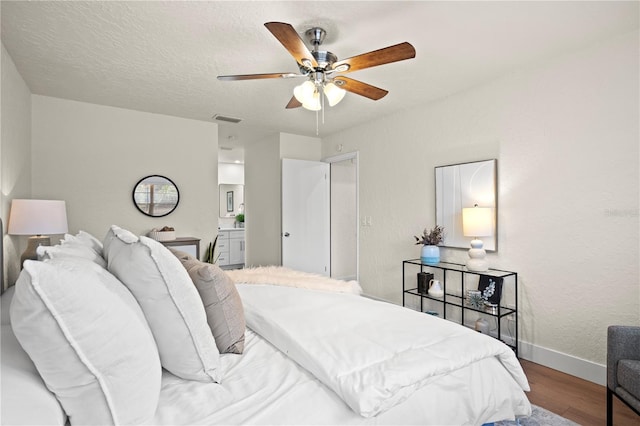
(579, 400)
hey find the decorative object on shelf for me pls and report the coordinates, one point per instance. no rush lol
(477, 222)
(240, 220)
(474, 299)
(482, 326)
(491, 288)
(167, 233)
(423, 282)
(491, 308)
(430, 253)
(435, 289)
(38, 218)
(155, 196)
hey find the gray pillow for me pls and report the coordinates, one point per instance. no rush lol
(221, 300)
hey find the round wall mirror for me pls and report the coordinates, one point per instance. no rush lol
(156, 195)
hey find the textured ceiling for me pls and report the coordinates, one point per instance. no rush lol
(163, 57)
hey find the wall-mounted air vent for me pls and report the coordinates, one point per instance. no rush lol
(227, 119)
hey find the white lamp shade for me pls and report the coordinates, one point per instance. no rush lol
(38, 217)
(334, 93)
(477, 221)
(304, 91)
(313, 103)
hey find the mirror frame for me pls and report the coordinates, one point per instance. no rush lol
(463, 185)
(141, 182)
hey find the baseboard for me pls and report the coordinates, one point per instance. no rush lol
(587, 370)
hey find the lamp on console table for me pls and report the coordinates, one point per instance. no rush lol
(38, 218)
(477, 222)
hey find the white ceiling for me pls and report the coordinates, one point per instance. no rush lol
(163, 57)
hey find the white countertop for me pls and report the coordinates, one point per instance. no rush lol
(230, 229)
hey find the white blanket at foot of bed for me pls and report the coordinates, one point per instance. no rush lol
(374, 355)
(281, 276)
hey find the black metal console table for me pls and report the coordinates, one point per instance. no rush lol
(447, 272)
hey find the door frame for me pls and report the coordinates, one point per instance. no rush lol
(355, 155)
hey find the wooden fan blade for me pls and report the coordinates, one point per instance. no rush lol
(398, 52)
(294, 103)
(257, 76)
(291, 41)
(360, 88)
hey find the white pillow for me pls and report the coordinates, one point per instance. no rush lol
(88, 339)
(70, 249)
(170, 303)
(25, 398)
(84, 238)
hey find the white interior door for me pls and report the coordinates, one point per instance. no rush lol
(306, 216)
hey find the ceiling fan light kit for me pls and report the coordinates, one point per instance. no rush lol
(333, 93)
(308, 94)
(319, 67)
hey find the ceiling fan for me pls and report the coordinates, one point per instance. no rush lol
(322, 68)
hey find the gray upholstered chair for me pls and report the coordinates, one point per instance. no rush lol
(623, 367)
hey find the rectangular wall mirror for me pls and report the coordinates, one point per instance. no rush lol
(231, 199)
(465, 185)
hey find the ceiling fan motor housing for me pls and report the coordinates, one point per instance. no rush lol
(324, 58)
(315, 35)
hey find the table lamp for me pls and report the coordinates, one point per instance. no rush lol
(38, 218)
(477, 222)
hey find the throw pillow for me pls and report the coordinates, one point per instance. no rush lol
(90, 342)
(222, 303)
(72, 250)
(169, 301)
(85, 238)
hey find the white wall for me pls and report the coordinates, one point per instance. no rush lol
(92, 156)
(262, 202)
(298, 147)
(263, 192)
(231, 173)
(344, 220)
(15, 156)
(566, 138)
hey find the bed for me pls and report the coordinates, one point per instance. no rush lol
(296, 348)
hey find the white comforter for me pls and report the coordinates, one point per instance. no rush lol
(373, 355)
(265, 387)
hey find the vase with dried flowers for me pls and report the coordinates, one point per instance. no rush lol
(430, 253)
